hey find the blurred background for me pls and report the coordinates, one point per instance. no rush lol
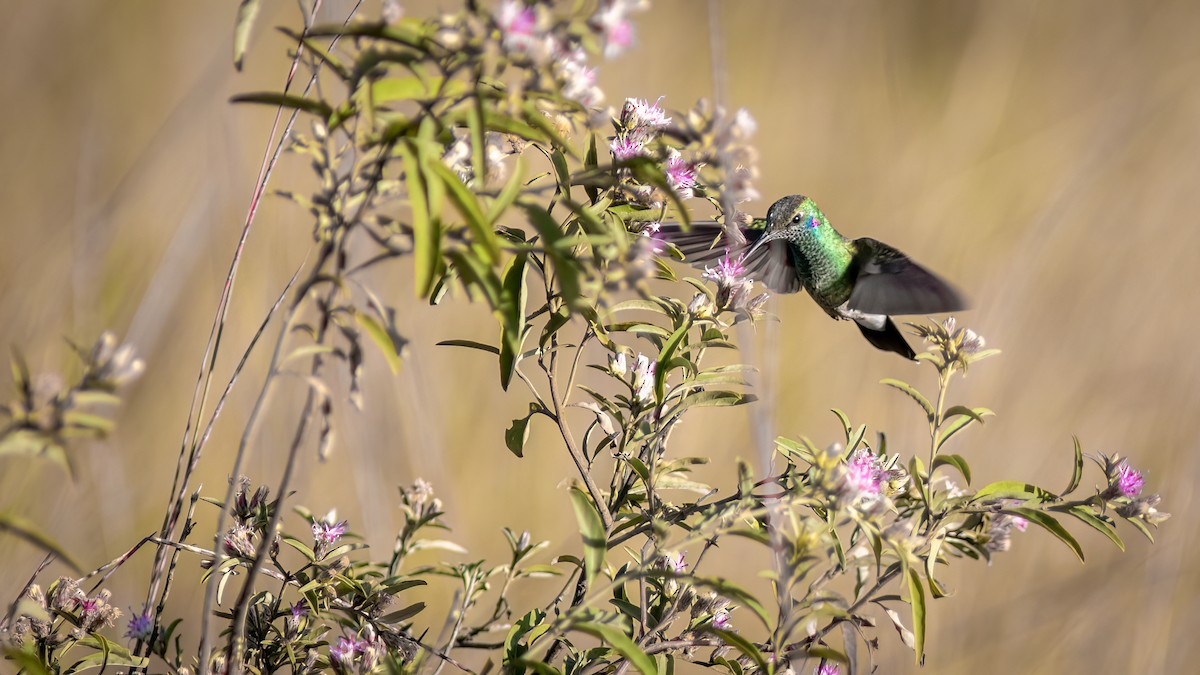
(1044, 156)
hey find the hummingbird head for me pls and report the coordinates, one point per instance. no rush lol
(794, 218)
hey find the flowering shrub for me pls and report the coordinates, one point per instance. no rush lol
(473, 144)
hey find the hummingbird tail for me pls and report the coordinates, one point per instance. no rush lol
(888, 338)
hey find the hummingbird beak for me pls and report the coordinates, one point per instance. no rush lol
(766, 238)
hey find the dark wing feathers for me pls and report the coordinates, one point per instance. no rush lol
(704, 243)
(889, 339)
(889, 282)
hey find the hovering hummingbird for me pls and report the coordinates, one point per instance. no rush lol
(795, 247)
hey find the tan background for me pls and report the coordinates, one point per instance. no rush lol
(1044, 155)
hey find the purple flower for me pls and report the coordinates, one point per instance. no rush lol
(518, 25)
(618, 36)
(643, 380)
(343, 652)
(721, 621)
(681, 175)
(640, 114)
(674, 562)
(299, 610)
(1129, 480)
(827, 669)
(140, 627)
(627, 147)
(728, 271)
(326, 532)
(862, 474)
(1019, 523)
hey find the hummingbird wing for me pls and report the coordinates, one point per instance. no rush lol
(705, 242)
(889, 282)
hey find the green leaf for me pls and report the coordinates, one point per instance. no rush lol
(960, 422)
(470, 344)
(319, 108)
(1077, 473)
(29, 531)
(591, 529)
(715, 399)
(427, 236)
(1103, 527)
(382, 338)
(511, 314)
(247, 13)
(526, 625)
(913, 394)
(737, 593)
(1013, 489)
(516, 435)
(917, 598)
(664, 359)
(1050, 524)
(486, 244)
(846, 426)
(622, 643)
(109, 654)
(956, 461)
(744, 646)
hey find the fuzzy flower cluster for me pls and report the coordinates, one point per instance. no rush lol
(357, 654)
(1124, 491)
(639, 124)
(497, 148)
(528, 31)
(953, 347)
(640, 376)
(250, 516)
(111, 365)
(723, 141)
(868, 479)
(734, 286)
(999, 533)
(326, 532)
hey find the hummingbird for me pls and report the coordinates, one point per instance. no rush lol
(794, 247)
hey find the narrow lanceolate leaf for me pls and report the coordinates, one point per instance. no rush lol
(956, 461)
(664, 360)
(27, 530)
(744, 646)
(1051, 525)
(1077, 472)
(485, 244)
(470, 344)
(591, 528)
(622, 644)
(247, 13)
(916, 594)
(1088, 516)
(382, 338)
(913, 394)
(1013, 489)
(319, 108)
(427, 238)
(511, 314)
(950, 427)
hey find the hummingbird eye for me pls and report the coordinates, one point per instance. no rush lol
(796, 219)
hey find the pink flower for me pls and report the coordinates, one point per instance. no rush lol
(728, 271)
(1020, 523)
(326, 533)
(862, 475)
(518, 24)
(627, 147)
(343, 652)
(827, 669)
(721, 621)
(681, 175)
(140, 627)
(638, 114)
(674, 562)
(619, 36)
(1129, 480)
